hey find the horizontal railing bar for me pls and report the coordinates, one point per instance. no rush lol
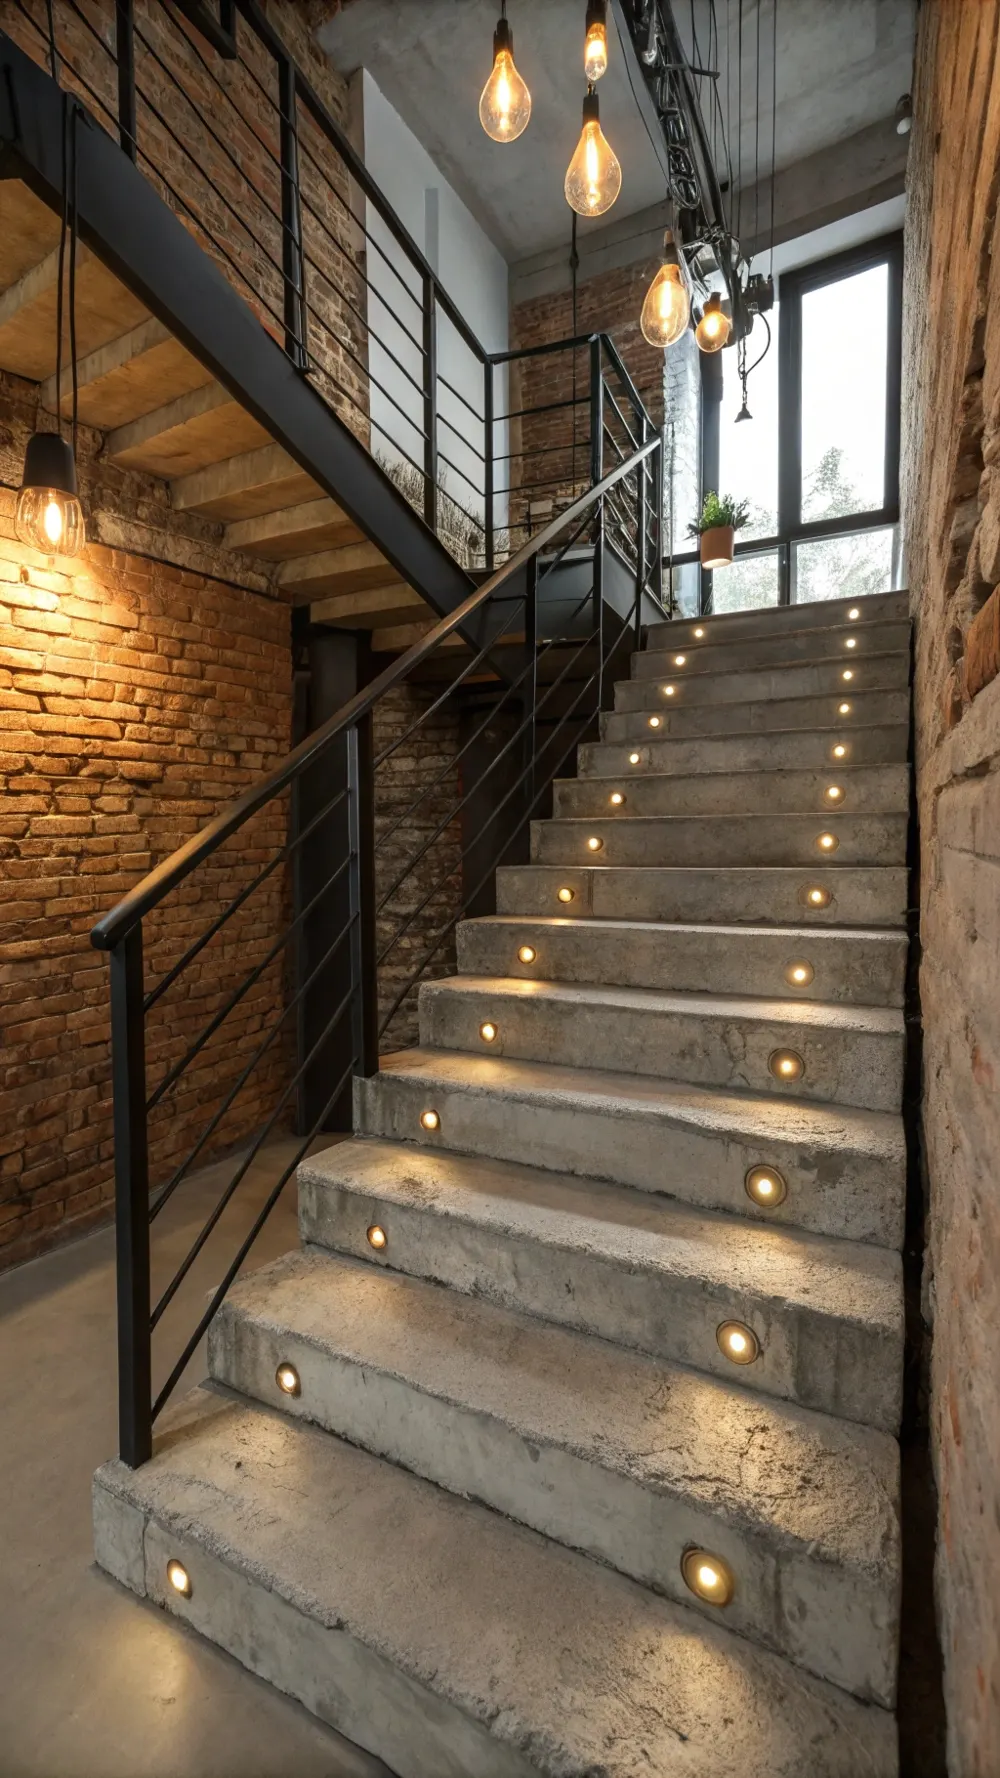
(151, 889)
(418, 721)
(573, 342)
(248, 1160)
(220, 1293)
(476, 415)
(547, 407)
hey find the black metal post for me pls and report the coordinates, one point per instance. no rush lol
(488, 442)
(292, 258)
(599, 600)
(364, 967)
(596, 413)
(642, 486)
(125, 55)
(128, 1070)
(531, 643)
(430, 403)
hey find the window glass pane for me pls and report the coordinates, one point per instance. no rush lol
(847, 567)
(750, 581)
(844, 353)
(748, 449)
(681, 443)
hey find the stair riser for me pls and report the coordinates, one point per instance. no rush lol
(781, 620)
(719, 1050)
(750, 716)
(847, 1194)
(347, 1684)
(765, 651)
(802, 751)
(823, 681)
(849, 969)
(859, 897)
(867, 790)
(838, 1366)
(801, 1608)
(784, 839)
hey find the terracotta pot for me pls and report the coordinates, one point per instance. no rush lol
(717, 547)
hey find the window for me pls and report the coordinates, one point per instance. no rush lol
(819, 460)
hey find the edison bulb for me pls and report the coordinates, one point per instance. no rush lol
(50, 521)
(595, 52)
(593, 177)
(505, 102)
(714, 328)
(666, 310)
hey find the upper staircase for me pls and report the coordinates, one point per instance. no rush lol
(566, 1444)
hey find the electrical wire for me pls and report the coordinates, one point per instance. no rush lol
(774, 116)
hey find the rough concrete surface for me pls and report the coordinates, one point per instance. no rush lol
(753, 714)
(722, 839)
(882, 744)
(818, 614)
(844, 1169)
(646, 1272)
(484, 1651)
(868, 790)
(609, 1452)
(749, 894)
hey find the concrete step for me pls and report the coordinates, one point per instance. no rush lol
(819, 679)
(843, 1170)
(830, 895)
(441, 1637)
(878, 789)
(840, 1055)
(623, 1457)
(662, 716)
(843, 643)
(756, 838)
(801, 749)
(837, 964)
(818, 614)
(633, 1268)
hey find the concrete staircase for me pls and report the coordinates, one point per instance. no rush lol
(594, 1344)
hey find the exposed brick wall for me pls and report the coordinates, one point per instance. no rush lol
(137, 696)
(609, 303)
(952, 519)
(429, 895)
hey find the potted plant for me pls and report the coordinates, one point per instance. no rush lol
(721, 517)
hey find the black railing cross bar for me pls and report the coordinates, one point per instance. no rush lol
(431, 710)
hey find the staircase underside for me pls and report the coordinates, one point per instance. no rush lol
(477, 1538)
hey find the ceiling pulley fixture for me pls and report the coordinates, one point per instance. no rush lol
(666, 310)
(904, 115)
(593, 177)
(505, 102)
(595, 54)
(715, 326)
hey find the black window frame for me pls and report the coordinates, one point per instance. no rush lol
(792, 286)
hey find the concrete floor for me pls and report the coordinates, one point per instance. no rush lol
(95, 1683)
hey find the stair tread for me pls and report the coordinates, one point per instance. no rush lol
(569, 1665)
(754, 1118)
(836, 1015)
(822, 1274)
(876, 935)
(698, 644)
(661, 1425)
(680, 675)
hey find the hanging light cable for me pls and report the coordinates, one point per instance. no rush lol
(593, 177)
(48, 515)
(505, 102)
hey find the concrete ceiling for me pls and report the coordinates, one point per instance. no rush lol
(841, 66)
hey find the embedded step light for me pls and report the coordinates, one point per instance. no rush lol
(376, 1236)
(288, 1379)
(786, 1065)
(708, 1577)
(737, 1342)
(179, 1578)
(765, 1186)
(429, 1120)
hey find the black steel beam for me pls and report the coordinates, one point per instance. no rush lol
(137, 235)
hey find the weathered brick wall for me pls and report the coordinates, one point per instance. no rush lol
(542, 444)
(137, 696)
(952, 518)
(420, 844)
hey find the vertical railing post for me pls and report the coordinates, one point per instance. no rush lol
(488, 480)
(292, 258)
(599, 600)
(125, 57)
(531, 643)
(361, 827)
(641, 530)
(596, 413)
(128, 1073)
(430, 403)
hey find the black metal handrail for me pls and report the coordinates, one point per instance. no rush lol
(533, 681)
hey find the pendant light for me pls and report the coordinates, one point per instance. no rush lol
(593, 177)
(595, 53)
(715, 326)
(48, 515)
(666, 310)
(505, 102)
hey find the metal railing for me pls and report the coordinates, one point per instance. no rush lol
(217, 110)
(521, 670)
